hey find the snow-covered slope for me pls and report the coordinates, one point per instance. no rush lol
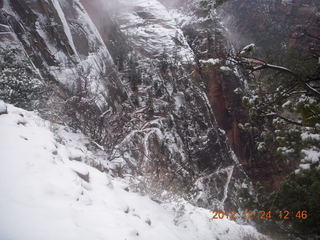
(46, 193)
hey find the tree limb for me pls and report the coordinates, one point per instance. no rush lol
(288, 71)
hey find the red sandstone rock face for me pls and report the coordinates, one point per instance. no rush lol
(229, 112)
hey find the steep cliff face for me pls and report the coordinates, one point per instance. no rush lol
(179, 117)
(170, 111)
(65, 47)
(207, 38)
(60, 39)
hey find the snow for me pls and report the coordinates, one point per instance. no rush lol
(179, 100)
(286, 104)
(310, 136)
(225, 68)
(92, 66)
(43, 195)
(305, 166)
(250, 47)
(212, 61)
(311, 155)
(229, 170)
(73, 65)
(261, 146)
(152, 29)
(65, 24)
(284, 150)
(3, 107)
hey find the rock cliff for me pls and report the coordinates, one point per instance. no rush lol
(151, 76)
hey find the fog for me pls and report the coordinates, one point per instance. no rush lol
(101, 13)
(238, 40)
(171, 3)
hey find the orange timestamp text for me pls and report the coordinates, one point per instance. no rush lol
(262, 215)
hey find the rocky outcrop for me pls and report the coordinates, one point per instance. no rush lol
(61, 40)
(177, 143)
(192, 145)
(207, 38)
(69, 54)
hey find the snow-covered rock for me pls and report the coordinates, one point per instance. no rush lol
(65, 46)
(210, 61)
(151, 28)
(247, 49)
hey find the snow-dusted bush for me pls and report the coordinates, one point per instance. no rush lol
(20, 85)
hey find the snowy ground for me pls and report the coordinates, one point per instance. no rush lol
(47, 194)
